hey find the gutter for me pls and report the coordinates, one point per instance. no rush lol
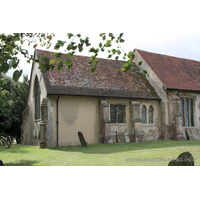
(57, 119)
(181, 90)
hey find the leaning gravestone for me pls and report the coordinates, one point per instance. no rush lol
(82, 139)
(3, 142)
(126, 137)
(185, 159)
(9, 140)
(1, 163)
(117, 137)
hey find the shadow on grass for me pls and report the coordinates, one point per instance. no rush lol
(122, 147)
(22, 163)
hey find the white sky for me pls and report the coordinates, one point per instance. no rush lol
(166, 27)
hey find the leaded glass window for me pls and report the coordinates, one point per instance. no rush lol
(191, 112)
(187, 111)
(182, 113)
(117, 114)
(37, 101)
(150, 115)
(144, 114)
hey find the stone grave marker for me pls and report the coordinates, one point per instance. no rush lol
(9, 140)
(1, 163)
(184, 159)
(82, 139)
(3, 142)
(126, 137)
(117, 137)
(189, 133)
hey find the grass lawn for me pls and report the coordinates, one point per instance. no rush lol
(153, 153)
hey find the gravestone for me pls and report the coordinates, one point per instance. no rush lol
(189, 133)
(184, 159)
(117, 137)
(3, 142)
(82, 139)
(9, 140)
(1, 163)
(43, 145)
(126, 137)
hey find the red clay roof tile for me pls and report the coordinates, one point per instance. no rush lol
(107, 81)
(175, 73)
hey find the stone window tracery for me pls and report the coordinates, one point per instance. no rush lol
(117, 114)
(187, 112)
(147, 117)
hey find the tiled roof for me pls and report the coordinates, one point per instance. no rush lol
(175, 73)
(106, 81)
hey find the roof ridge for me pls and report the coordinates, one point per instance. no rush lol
(167, 55)
(80, 55)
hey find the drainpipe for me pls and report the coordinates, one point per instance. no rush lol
(57, 119)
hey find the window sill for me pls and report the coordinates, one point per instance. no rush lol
(38, 120)
(118, 124)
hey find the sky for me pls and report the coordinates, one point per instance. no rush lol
(183, 45)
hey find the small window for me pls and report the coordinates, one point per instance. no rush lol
(117, 114)
(150, 115)
(187, 112)
(144, 114)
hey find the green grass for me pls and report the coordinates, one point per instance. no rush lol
(100, 154)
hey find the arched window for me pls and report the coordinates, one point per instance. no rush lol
(150, 115)
(144, 114)
(37, 100)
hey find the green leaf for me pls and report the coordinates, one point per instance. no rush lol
(57, 55)
(92, 70)
(60, 66)
(140, 63)
(92, 58)
(52, 62)
(70, 35)
(15, 64)
(78, 35)
(117, 58)
(87, 42)
(112, 36)
(4, 67)
(16, 75)
(57, 46)
(100, 45)
(114, 51)
(90, 63)
(101, 34)
(69, 66)
(80, 47)
(67, 62)
(119, 52)
(61, 43)
(93, 50)
(71, 54)
(104, 37)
